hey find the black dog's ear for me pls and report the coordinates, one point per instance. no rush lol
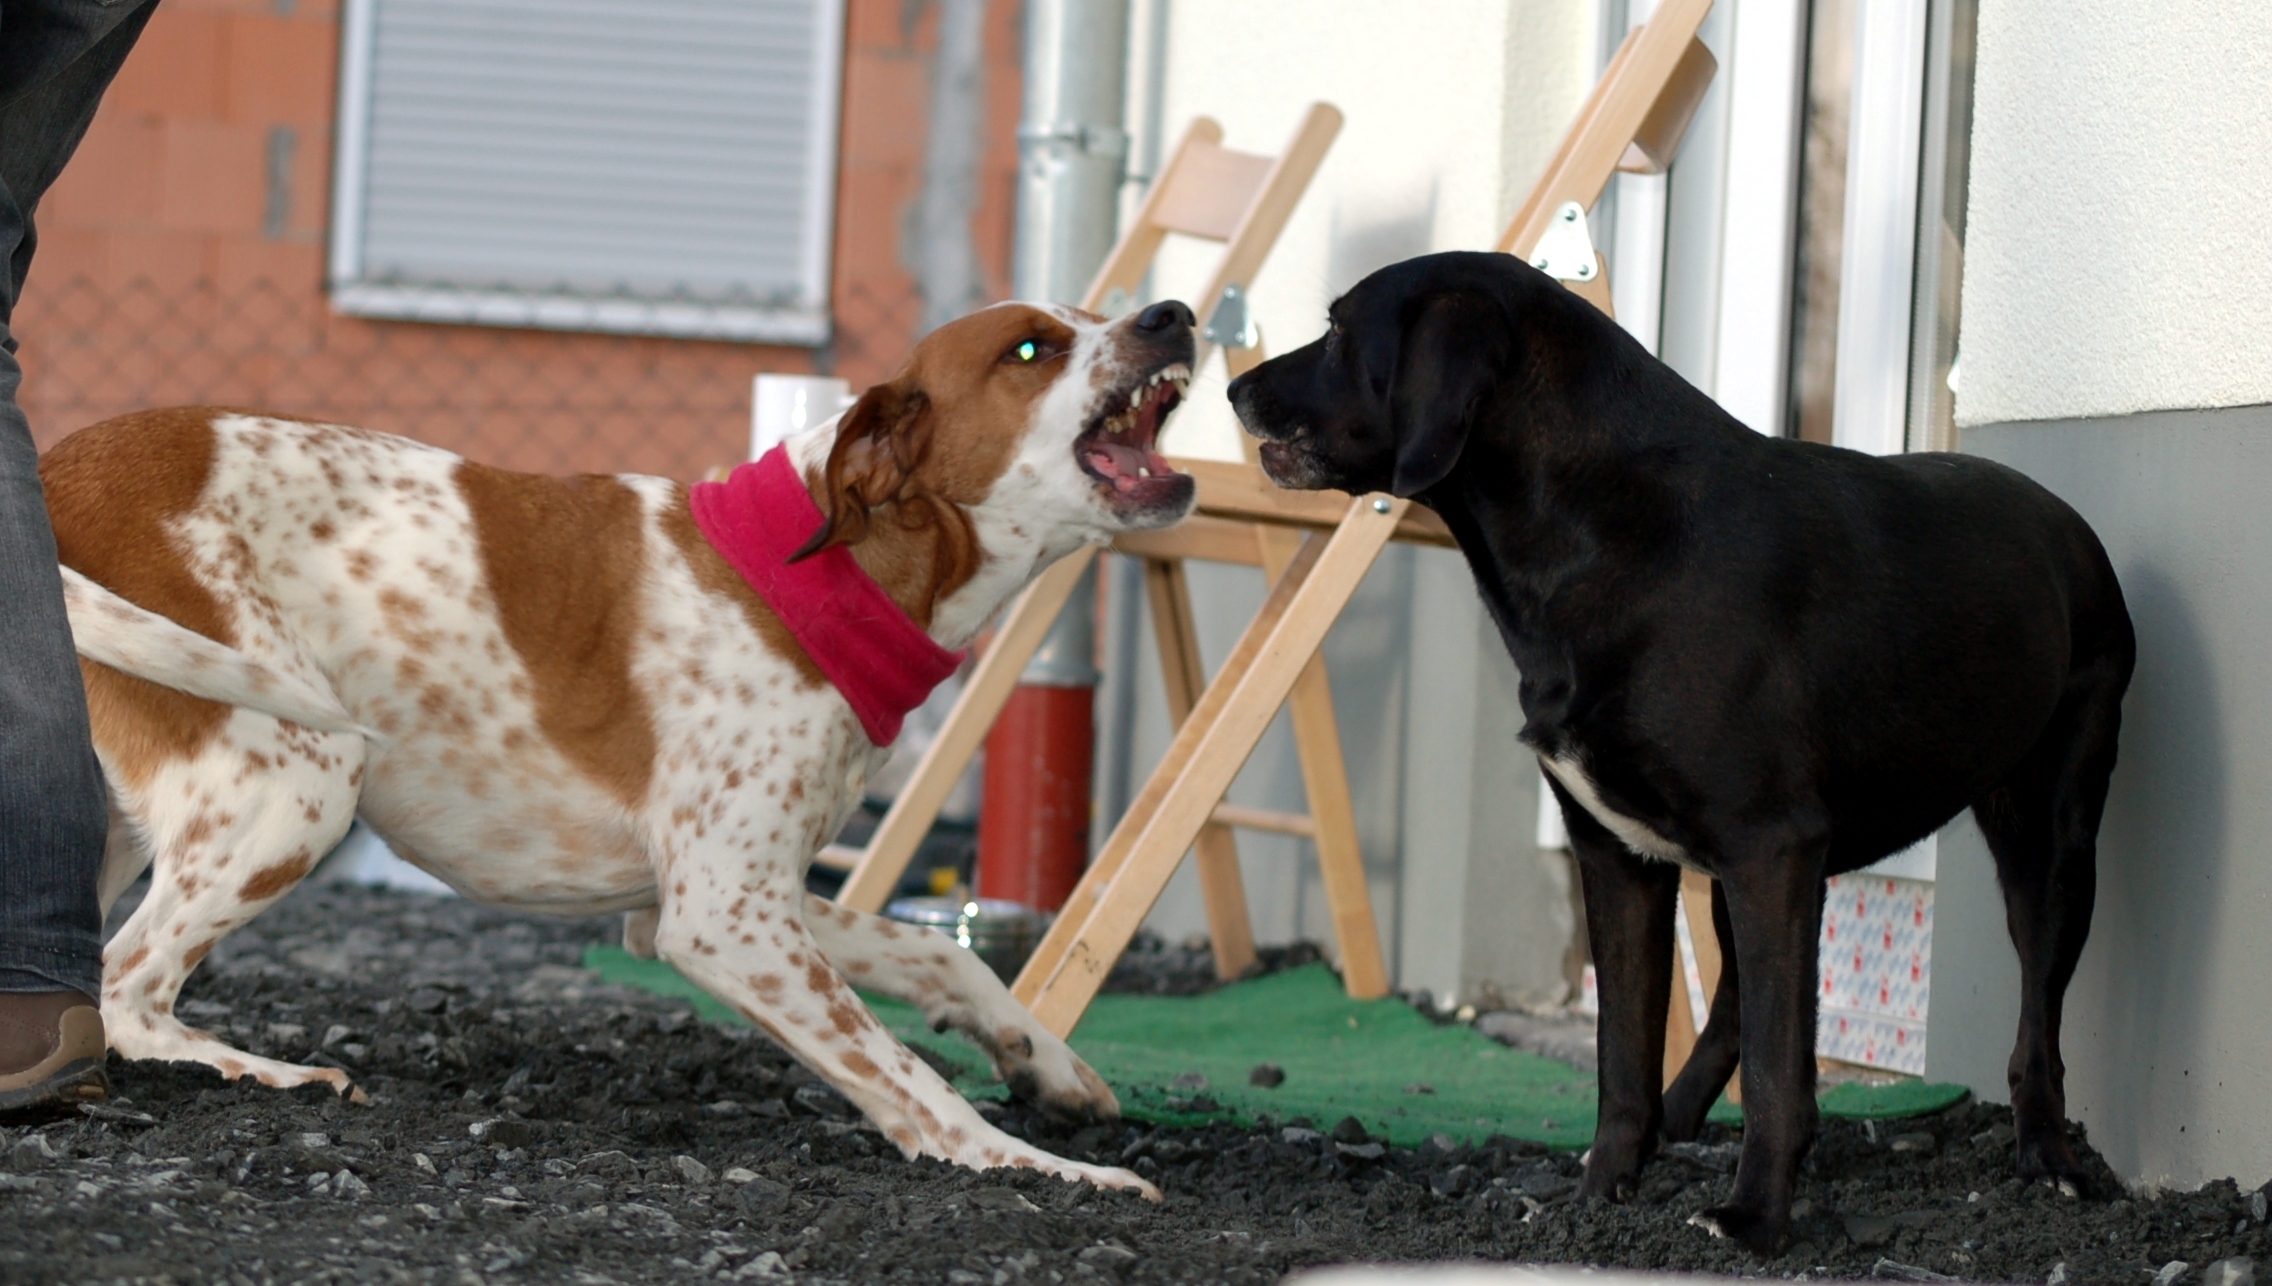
(1453, 352)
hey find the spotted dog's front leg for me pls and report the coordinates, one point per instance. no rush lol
(954, 988)
(751, 950)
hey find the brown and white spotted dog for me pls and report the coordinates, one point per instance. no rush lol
(553, 694)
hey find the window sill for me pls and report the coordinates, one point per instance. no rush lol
(672, 319)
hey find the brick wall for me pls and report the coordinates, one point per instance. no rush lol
(181, 260)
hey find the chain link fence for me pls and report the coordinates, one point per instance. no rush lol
(541, 401)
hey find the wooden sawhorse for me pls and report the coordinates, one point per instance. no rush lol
(1242, 200)
(1634, 119)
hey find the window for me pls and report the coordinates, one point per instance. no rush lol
(650, 166)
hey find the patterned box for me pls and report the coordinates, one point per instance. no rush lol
(1877, 971)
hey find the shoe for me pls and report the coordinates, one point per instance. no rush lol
(52, 1051)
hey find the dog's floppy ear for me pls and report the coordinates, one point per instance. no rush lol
(879, 445)
(1453, 351)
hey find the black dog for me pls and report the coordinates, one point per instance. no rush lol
(1764, 659)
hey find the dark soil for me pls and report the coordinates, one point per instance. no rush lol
(527, 1124)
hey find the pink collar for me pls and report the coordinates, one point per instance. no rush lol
(875, 654)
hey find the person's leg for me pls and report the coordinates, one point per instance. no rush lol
(56, 58)
(53, 814)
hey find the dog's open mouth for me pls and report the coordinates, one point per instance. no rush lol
(1120, 449)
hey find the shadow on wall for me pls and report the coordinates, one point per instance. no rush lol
(2138, 1010)
(1362, 246)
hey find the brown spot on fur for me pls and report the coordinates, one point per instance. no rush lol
(126, 966)
(858, 1064)
(269, 881)
(196, 955)
(562, 558)
(114, 491)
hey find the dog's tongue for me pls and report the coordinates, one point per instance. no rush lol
(1125, 464)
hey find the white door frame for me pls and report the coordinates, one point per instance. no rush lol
(1877, 270)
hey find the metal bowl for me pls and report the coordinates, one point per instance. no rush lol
(1003, 933)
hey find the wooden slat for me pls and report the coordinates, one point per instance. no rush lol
(1206, 754)
(1124, 268)
(1251, 242)
(1301, 825)
(1210, 191)
(1637, 76)
(1325, 779)
(1228, 489)
(1658, 139)
(1222, 888)
(983, 695)
(1210, 540)
(1104, 869)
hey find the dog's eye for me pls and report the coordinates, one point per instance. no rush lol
(1029, 350)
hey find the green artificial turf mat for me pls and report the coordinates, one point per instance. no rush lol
(1342, 1057)
(1885, 1102)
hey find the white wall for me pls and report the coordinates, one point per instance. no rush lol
(1450, 118)
(2115, 258)
(2169, 1059)
(2117, 347)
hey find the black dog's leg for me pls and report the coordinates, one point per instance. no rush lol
(1629, 910)
(1691, 1096)
(1774, 901)
(2043, 829)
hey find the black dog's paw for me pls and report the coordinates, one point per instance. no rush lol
(2049, 1158)
(1762, 1235)
(1600, 1185)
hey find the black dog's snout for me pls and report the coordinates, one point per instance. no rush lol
(1165, 315)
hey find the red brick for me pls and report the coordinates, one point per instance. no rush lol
(882, 25)
(176, 68)
(171, 261)
(215, 176)
(244, 262)
(280, 70)
(68, 253)
(886, 105)
(112, 180)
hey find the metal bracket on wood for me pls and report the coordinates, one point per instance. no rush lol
(1230, 326)
(1565, 251)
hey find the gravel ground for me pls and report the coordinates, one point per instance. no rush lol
(530, 1125)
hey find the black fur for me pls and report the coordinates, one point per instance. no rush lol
(1790, 660)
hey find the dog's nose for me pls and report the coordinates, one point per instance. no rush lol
(1165, 314)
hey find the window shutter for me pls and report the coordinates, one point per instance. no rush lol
(658, 166)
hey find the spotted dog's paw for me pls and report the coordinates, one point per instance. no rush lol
(1043, 1070)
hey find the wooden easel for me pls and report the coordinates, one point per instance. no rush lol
(1634, 120)
(1243, 201)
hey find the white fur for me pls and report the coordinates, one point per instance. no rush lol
(1635, 835)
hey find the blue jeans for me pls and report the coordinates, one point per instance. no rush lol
(56, 58)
